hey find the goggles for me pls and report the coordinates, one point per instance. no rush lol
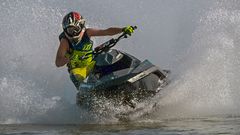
(73, 31)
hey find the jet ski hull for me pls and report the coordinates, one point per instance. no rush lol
(135, 81)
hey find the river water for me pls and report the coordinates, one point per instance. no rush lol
(198, 126)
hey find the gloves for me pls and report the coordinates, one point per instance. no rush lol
(128, 30)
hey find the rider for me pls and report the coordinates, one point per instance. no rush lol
(75, 42)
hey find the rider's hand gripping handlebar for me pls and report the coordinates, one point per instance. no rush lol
(110, 43)
(107, 45)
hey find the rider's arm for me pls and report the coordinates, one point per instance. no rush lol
(103, 32)
(61, 60)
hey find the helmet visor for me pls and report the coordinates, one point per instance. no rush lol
(73, 31)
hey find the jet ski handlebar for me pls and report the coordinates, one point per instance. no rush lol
(107, 45)
(110, 43)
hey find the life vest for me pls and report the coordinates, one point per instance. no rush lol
(76, 51)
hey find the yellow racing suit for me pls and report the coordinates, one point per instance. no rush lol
(80, 68)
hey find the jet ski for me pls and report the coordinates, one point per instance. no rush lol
(120, 77)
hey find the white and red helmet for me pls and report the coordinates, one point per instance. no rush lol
(73, 24)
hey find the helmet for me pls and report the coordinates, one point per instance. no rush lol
(73, 24)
